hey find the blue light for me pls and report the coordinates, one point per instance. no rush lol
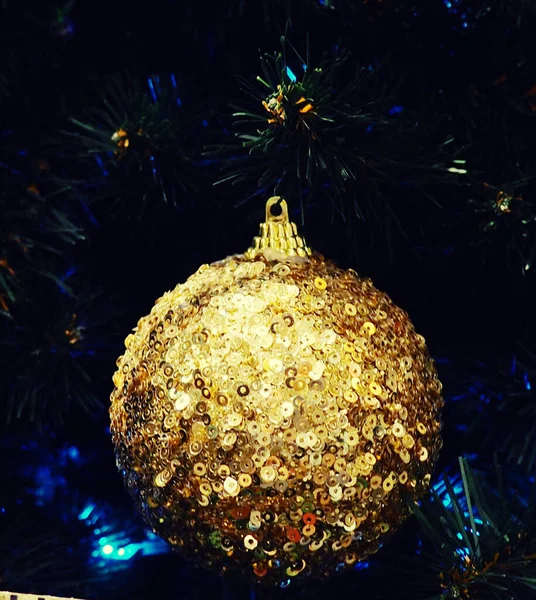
(73, 452)
(98, 160)
(204, 122)
(128, 550)
(396, 109)
(86, 512)
(361, 565)
(291, 75)
(441, 490)
(69, 273)
(45, 485)
(151, 88)
(173, 81)
(527, 382)
(22, 152)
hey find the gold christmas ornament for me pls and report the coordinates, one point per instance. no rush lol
(269, 413)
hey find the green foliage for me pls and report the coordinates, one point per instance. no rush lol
(133, 147)
(483, 538)
(331, 132)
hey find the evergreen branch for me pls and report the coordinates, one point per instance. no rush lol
(48, 351)
(496, 404)
(333, 130)
(35, 231)
(487, 547)
(506, 226)
(137, 146)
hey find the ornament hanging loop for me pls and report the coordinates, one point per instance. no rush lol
(283, 216)
(278, 237)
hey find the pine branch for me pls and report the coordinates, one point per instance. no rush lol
(49, 350)
(134, 149)
(330, 130)
(494, 402)
(484, 538)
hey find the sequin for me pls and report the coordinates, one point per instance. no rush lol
(250, 542)
(267, 412)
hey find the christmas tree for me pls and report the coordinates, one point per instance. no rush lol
(139, 143)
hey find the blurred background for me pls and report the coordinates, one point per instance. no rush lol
(139, 141)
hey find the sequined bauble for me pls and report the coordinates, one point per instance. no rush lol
(269, 413)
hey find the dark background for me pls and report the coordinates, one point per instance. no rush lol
(461, 267)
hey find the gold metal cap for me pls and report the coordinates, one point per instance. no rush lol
(278, 234)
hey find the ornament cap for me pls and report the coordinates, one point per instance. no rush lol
(278, 236)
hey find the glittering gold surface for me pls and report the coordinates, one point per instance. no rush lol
(268, 414)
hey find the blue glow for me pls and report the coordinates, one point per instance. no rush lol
(69, 273)
(304, 67)
(361, 565)
(98, 159)
(441, 490)
(86, 512)
(151, 88)
(128, 550)
(527, 382)
(291, 75)
(396, 109)
(46, 485)
(74, 453)
(204, 122)
(2, 510)
(173, 81)
(22, 152)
